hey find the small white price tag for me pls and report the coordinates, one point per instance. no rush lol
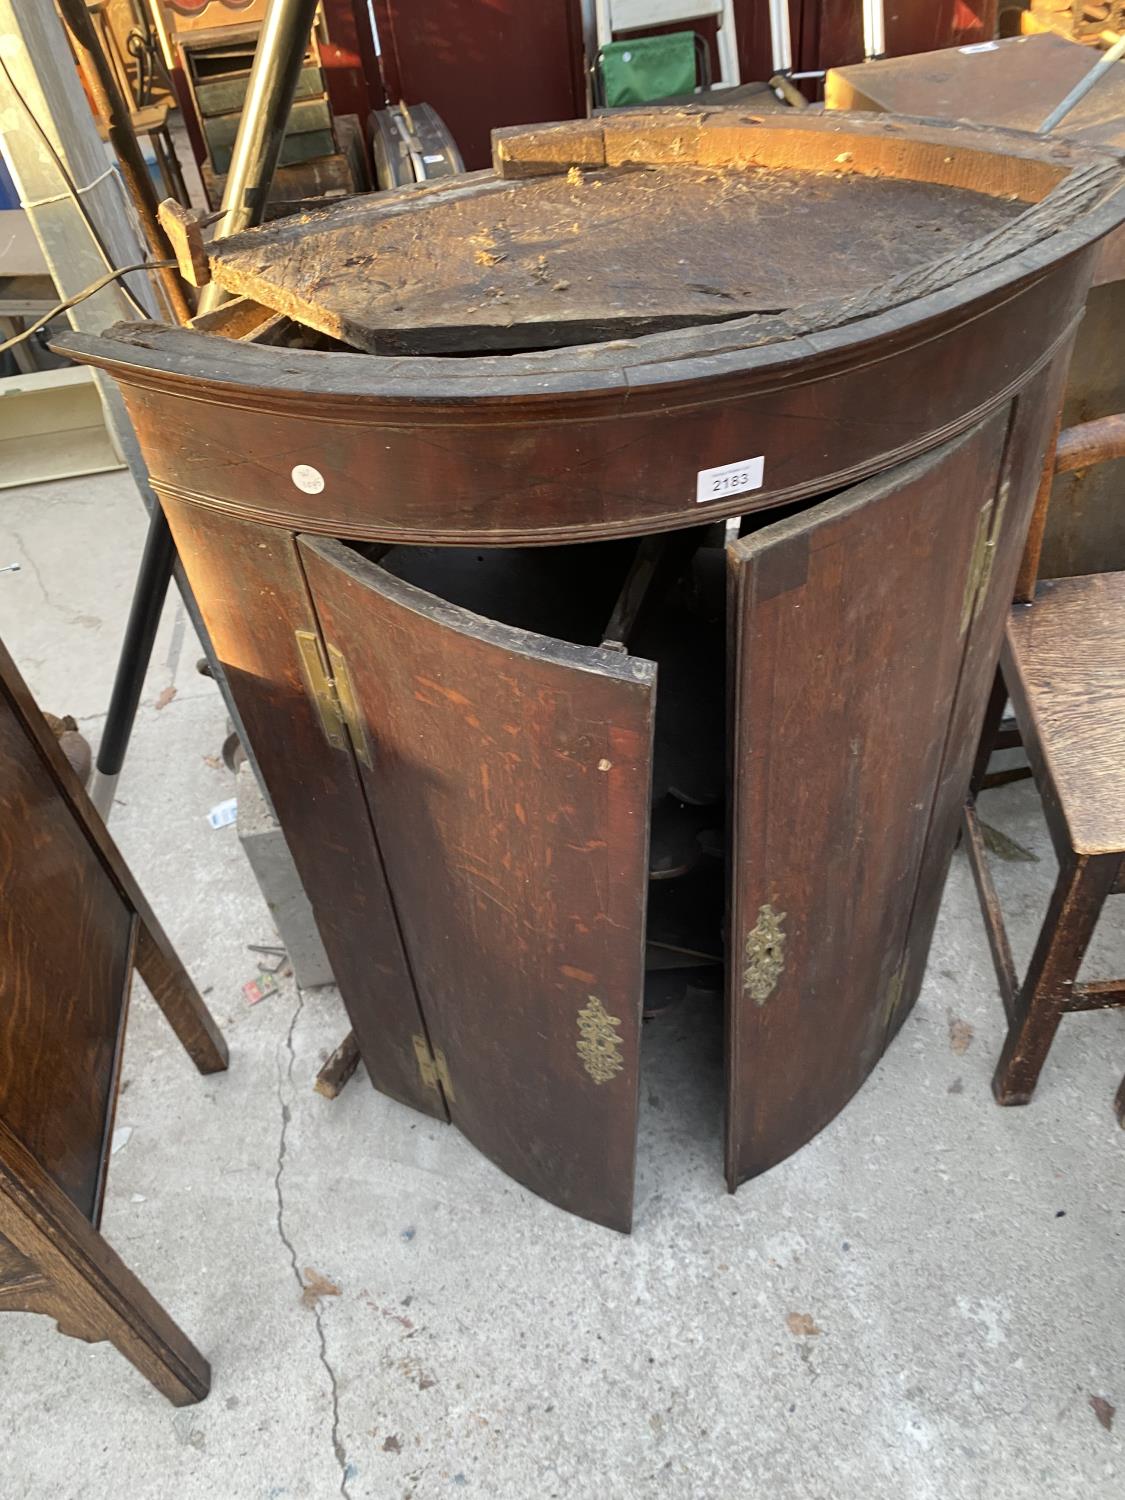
(980, 47)
(730, 479)
(306, 478)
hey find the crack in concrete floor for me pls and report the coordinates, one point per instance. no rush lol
(286, 1078)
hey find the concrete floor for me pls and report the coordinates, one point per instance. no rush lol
(923, 1302)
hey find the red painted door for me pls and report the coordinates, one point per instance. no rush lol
(829, 33)
(484, 63)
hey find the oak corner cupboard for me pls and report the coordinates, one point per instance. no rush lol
(609, 554)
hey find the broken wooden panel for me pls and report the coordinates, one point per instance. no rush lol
(850, 622)
(744, 220)
(509, 782)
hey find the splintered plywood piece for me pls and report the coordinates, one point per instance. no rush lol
(547, 250)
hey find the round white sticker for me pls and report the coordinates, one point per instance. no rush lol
(306, 478)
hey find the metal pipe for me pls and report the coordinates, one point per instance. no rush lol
(780, 41)
(269, 98)
(874, 30)
(144, 617)
(1083, 86)
(265, 114)
(112, 106)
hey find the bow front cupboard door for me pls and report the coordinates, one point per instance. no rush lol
(850, 627)
(508, 777)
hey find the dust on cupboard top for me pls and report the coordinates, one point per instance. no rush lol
(807, 300)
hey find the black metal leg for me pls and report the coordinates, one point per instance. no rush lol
(144, 616)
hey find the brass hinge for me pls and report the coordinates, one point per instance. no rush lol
(432, 1066)
(993, 542)
(978, 561)
(984, 555)
(330, 684)
(893, 997)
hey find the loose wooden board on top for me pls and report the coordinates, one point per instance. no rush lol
(584, 247)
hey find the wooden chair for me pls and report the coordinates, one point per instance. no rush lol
(1062, 667)
(72, 927)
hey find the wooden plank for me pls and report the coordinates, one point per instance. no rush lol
(554, 256)
(338, 1067)
(215, 96)
(553, 262)
(994, 925)
(509, 783)
(1096, 994)
(847, 625)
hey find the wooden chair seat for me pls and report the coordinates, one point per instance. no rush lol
(1064, 667)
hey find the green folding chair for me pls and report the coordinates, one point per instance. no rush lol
(646, 69)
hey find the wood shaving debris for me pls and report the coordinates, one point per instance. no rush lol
(801, 1325)
(960, 1035)
(1104, 1410)
(316, 1287)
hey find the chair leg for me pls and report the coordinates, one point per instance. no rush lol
(178, 998)
(1080, 891)
(992, 716)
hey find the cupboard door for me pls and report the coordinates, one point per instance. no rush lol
(1024, 456)
(508, 776)
(849, 625)
(250, 587)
